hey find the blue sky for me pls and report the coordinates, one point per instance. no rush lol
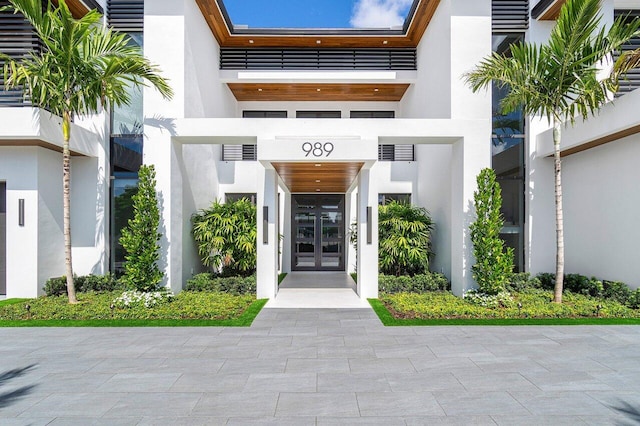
(318, 13)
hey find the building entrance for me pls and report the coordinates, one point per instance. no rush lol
(318, 232)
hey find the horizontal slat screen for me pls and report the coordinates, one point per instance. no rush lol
(304, 59)
(632, 79)
(126, 15)
(17, 39)
(400, 152)
(509, 15)
(239, 152)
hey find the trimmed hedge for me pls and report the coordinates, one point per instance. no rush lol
(57, 286)
(420, 283)
(213, 283)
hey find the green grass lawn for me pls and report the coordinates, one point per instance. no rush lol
(443, 308)
(94, 310)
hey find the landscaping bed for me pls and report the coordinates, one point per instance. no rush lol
(532, 306)
(101, 309)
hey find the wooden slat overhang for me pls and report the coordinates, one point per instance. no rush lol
(317, 92)
(318, 177)
(547, 10)
(213, 12)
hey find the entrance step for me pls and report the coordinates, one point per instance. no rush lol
(317, 290)
(335, 298)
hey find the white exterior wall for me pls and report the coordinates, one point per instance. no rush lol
(35, 251)
(601, 204)
(19, 169)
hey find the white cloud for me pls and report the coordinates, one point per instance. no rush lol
(379, 13)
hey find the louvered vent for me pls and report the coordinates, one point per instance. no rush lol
(239, 152)
(333, 59)
(509, 15)
(632, 79)
(17, 39)
(400, 152)
(126, 15)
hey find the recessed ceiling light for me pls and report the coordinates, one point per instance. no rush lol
(259, 90)
(250, 41)
(385, 42)
(318, 41)
(318, 190)
(376, 90)
(317, 180)
(318, 165)
(317, 90)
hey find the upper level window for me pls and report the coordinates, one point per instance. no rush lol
(398, 152)
(239, 152)
(373, 114)
(264, 114)
(318, 114)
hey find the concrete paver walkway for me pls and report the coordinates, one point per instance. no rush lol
(320, 366)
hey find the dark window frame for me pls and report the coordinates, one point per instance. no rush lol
(318, 114)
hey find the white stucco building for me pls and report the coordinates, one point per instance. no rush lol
(319, 126)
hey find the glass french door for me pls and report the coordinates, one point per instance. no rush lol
(318, 230)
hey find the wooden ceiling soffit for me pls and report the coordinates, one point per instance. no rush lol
(80, 8)
(318, 92)
(212, 12)
(311, 178)
(547, 10)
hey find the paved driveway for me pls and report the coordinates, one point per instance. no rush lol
(325, 367)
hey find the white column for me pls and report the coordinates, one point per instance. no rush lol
(470, 155)
(367, 236)
(267, 268)
(286, 232)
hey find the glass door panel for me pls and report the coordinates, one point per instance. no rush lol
(318, 232)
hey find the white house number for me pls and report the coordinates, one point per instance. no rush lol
(317, 149)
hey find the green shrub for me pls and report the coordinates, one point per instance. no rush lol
(494, 263)
(547, 280)
(582, 284)
(523, 281)
(57, 286)
(575, 283)
(420, 283)
(98, 283)
(233, 285)
(140, 239)
(634, 299)
(226, 236)
(616, 290)
(404, 239)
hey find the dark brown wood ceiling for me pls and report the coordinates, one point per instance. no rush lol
(318, 177)
(317, 92)
(212, 13)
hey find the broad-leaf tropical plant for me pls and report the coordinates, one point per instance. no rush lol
(559, 80)
(82, 66)
(404, 239)
(226, 235)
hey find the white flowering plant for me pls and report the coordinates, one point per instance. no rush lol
(502, 299)
(135, 299)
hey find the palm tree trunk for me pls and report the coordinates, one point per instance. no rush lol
(66, 205)
(557, 296)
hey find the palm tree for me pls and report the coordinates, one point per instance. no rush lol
(558, 80)
(81, 67)
(626, 62)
